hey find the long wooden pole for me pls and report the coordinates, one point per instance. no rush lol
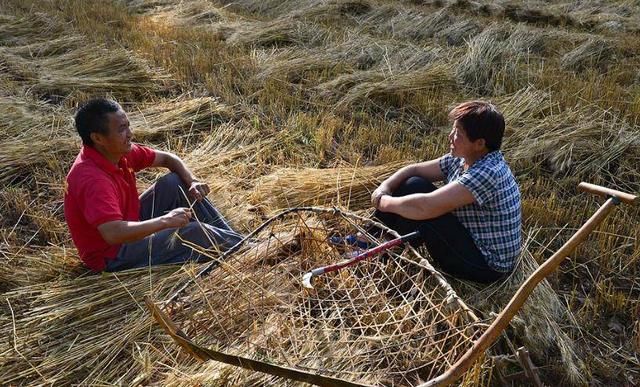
(516, 302)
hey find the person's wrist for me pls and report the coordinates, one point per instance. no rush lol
(380, 201)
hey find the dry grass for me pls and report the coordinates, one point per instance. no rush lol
(594, 53)
(282, 103)
(342, 187)
(562, 140)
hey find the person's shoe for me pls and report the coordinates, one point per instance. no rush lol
(350, 240)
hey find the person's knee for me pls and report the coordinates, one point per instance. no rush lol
(171, 179)
(414, 184)
(170, 184)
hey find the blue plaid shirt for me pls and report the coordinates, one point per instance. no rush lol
(495, 219)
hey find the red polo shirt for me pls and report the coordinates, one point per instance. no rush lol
(97, 192)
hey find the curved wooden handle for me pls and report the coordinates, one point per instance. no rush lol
(603, 191)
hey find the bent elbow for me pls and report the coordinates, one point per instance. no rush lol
(111, 240)
(111, 233)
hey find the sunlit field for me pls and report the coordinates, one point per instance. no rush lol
(282, 104)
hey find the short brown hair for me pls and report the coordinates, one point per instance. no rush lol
(480, 119)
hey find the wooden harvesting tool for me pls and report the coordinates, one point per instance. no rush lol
(502, 321)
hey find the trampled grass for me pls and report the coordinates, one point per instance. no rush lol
(284, 103)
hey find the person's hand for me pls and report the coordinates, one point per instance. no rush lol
(198, 190)
(377, 194)
(178, 217)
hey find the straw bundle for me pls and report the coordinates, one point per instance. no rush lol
(37, 27)
(485, 56)
(186, 116)
(200, 12)
(185, 13)
(50, 47)
(33, 134)
(348, 187)
(26, 266)
(355, 52)
(530, 41)
(228, 146)
(494, 57)
(396, 88)
(333, 10)
(414, 25)
(302, 10)
(563, 140)
(273, 8)
(96, 70)
(459, 32)
(594, 53)
(14, 68)
(277, 33)
(21, 116)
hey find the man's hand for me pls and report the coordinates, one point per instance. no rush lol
(178, 217)
(377, 194)
(122, 231)
(198, 190)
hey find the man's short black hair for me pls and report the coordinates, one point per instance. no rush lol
(92, 117)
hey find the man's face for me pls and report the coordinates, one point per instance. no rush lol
(117, 141)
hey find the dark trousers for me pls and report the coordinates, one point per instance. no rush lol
(447, 240)
(167, 246)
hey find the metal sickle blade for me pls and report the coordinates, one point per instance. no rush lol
(306, 280)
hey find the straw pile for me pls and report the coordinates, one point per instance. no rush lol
(593, 53)
(416, 25)
(82, 329)
(562, 140)
(69, 65)
(37, 28)
(344, 187)
(276, 34)
(374, 59)
(185, 116)
(32, 134)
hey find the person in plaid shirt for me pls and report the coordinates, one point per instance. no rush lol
(471, 224)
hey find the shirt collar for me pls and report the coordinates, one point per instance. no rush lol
(487, 157)
(90, 153)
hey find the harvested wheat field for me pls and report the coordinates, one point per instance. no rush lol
(294, 112)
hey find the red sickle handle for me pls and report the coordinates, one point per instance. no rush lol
(365, 254)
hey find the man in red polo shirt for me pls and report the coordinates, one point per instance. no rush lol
(111, 226)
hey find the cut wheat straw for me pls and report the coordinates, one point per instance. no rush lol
(348, 187)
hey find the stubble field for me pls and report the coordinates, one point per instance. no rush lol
(278, 104)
